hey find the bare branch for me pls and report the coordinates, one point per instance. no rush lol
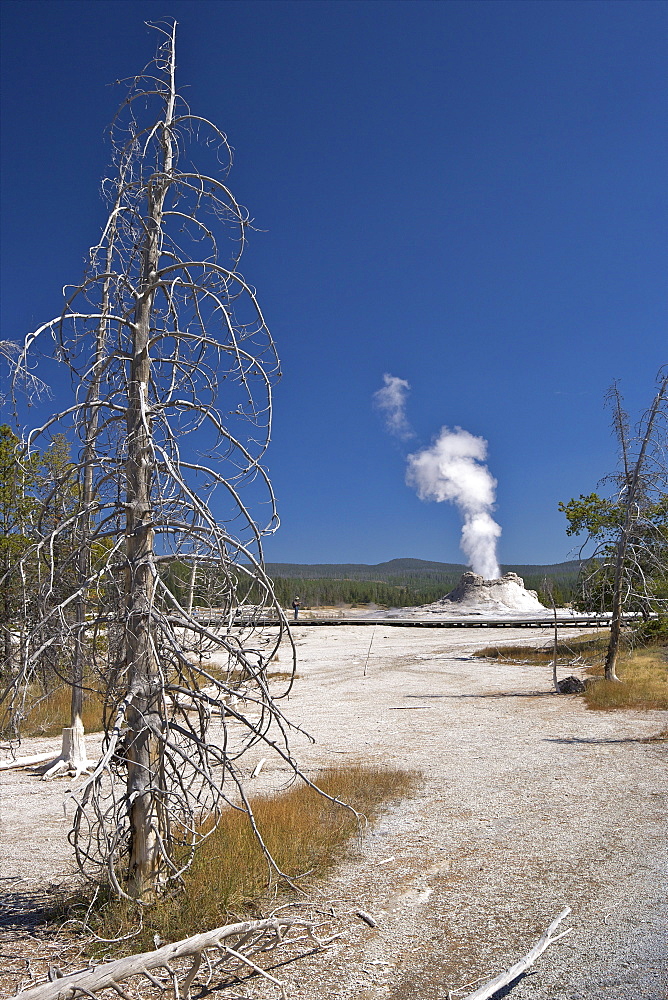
(238, 944)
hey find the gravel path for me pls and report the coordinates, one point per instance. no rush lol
(527, 803)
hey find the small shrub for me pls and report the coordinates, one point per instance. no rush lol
(653, 632)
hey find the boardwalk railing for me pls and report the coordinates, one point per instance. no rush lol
(262, 619)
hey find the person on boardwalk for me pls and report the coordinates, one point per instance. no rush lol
(295, 605)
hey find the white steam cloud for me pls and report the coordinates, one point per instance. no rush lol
(453, 469)
(391, 400)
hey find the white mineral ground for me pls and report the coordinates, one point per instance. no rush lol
(527, 802)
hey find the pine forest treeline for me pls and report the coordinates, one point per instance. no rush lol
(398, 583)
(328, 592)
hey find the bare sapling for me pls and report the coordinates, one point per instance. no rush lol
(549, 590)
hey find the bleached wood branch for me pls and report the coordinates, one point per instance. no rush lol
(548, 938)
(254, 937)
(30, 761)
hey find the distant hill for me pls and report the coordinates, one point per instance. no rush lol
(408, 571)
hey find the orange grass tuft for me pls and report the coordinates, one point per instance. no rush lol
(230, 877)
(644, 676)
(643, 672)
(49, 715)
(589, 647)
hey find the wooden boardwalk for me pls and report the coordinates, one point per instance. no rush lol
(534, 621)
(596, 621)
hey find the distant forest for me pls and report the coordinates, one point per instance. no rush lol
(399, 583)
(402, 582)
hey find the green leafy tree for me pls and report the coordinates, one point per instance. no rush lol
(18, 481)
(38, 509)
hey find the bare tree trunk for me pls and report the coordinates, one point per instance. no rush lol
(7, 640)
(149, 335)
(146, 709)
(85, 554)
(547, 586)
(191, 586)
(632, 494)
(73, 758)
(617, 604)
(144, 713)
(555, 681)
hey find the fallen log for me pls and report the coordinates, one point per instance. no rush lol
(232, 944)
(36, 758)
(487, 991)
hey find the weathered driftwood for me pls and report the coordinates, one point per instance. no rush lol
(548, 938)
(258, 767)
(17, 762)
(230, 946)
(366, 917)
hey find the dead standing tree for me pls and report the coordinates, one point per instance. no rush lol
(161, 323)
(629, 565)
(640, 548)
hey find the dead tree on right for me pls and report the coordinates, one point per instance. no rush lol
(627, 571)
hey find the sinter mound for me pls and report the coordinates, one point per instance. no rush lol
(506, 593)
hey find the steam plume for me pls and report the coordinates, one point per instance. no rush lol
(453, 469)
(391, 400)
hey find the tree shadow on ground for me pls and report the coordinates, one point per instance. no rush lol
(489, 694)
(505, 991)
(596, 741)
(27, 909)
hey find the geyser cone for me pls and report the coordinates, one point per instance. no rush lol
(506, 592)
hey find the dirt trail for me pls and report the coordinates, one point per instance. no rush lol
(527, 803)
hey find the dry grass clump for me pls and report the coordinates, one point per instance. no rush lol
(230, 878)
(50, 713)
(644, 676)
(590, 648)
(282, 675)
(643, 672)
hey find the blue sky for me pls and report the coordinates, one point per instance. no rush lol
(470, 196)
